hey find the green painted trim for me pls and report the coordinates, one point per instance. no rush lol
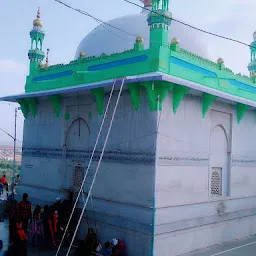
(240, 111)
(32, 106)
(134, 90)
(99, 96)
(175, 47)
(81, 75)
(24, 107)
(90, 115)
(179, 92)
(162, 56)
(157, 89)
(207, 100)
(138, 46)
(67, 116)
(56, 103)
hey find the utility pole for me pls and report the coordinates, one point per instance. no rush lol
(14, 148)
(14, 145)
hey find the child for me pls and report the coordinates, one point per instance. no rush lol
(107, 249)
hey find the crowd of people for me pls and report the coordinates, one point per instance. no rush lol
(91, 246)
(45, 226)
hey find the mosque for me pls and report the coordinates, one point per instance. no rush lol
(178, 169)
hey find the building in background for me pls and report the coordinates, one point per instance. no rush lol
(178, 172)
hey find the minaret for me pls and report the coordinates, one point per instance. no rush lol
(159, 20)
(35, 54)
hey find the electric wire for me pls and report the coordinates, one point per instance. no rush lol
(131, 34)
(191, 26)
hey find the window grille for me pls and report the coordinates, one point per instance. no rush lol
(216, 183)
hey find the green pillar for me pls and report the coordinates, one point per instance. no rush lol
(240, 111)
(56, 103)
(207, 100)
(32, 105)
(179, 92)
(24, 107)
(157, 90)
(134, 90)
(99, 96)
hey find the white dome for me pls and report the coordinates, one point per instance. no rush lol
(108, 40)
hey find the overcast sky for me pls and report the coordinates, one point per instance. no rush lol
(65, 29)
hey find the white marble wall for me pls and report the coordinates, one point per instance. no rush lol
(187, 217)
(124, 188)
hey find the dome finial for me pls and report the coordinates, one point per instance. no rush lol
(82, 54)
(139, 39)
(38, 13)
(37, 22)
(254, 35)
(220, 61)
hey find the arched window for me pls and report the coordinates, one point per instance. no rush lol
(34, 44)
(39, 44)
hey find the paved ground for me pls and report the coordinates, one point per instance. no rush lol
(246, 247)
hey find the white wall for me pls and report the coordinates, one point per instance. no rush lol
(124, 188)
(42, 131)
(177, 243)
(187, 217)
(183, 154)
(183, 148)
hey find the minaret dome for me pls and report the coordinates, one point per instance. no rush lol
(37, 22)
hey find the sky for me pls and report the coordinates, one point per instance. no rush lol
(65, 29)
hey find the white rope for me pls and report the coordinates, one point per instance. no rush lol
(97, 169)
(87, 170)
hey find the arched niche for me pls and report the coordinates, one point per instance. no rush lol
(76, 141)
(218, 161)
(77, 136)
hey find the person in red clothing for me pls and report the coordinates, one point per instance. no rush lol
(3, 180)
(118, 248)
(52, 221)
(24, 211)
(21, 242)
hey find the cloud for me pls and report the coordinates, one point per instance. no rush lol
(10, 66)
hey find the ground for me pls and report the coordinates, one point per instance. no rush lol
(246, 247)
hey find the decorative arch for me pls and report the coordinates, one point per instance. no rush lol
(219, 148)
(34, 44)
(77, 135)
(39, 44)
(223, 129)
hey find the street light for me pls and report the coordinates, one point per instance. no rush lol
(14, 144)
